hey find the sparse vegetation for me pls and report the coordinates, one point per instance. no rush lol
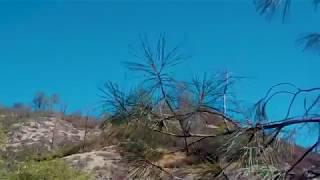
(49, 170)
(165, 128)
(163, 125)
(2, 135)
(186, 117)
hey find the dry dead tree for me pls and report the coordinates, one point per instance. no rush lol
(310, 115)
(159, 85)
(157, 91)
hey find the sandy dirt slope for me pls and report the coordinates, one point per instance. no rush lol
(49, 133)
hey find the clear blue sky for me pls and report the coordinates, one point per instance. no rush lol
(71, 48)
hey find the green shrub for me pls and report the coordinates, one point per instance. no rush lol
(46, 170)
(137, 147)
(2, 135)
(3, 169)
(140, 133)
(2, 141)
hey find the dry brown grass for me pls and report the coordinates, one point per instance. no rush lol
(82, 122)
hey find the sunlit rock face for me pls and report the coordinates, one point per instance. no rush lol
(47, 133)
(105, 163)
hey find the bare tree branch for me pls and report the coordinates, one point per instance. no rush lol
(302, 157)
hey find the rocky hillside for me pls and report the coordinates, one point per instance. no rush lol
(121, 151)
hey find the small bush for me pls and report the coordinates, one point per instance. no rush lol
(46, 170)
(132, 135)
(2, 135)
(79, 121)
(137, 147)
